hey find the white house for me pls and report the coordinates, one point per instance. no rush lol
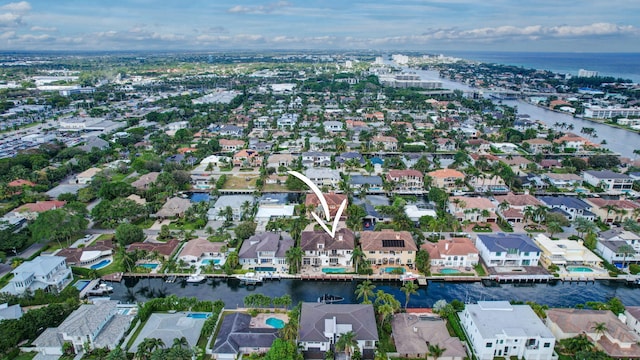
(43, 272)
(322, 250)
(322, 324)
(608, 180)
(501, 249)
(237, 203)
(265, 249)
(333, 126)
(100, 325)
(323, 177)
(287, 121)
(499, 329)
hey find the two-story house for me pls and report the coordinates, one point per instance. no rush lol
(614, 211)
(366, 183)
(455, 252)
(265, 249)
(332, 126)
(388, 247)
(333, 201)
(571, 207)
(323, 177)
(501, 249)
(322, 324)
(474, 209)
(500, 329)
(287, 121)
(406, 181)
(447, 179)
(320, 249)
(608, 180)
(316, 159)
(386, 143)
(49, 273)
(230, 145)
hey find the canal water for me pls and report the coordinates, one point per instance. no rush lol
(618, 140)
(232, 292)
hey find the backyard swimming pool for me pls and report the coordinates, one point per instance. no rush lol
(101, 264)
(211, 261)
(275, 323)
(448, 271)
(148, 266)
(199, 197)
(390, 270)
(333, 270)
(265, 268)
(81, 284)
(582, 269)
(198, 315)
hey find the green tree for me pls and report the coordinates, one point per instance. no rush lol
(365, 292)
(128, 234)
(347, 342)
(423, 263)
(436, 351)
(245, 230)
(409, 288)
(283, 349)
(294, 259)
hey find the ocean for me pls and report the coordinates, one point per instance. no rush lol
(619, 65)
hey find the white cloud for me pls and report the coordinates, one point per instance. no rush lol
(44, 28)
(259, 9)
(21, 6)
(10, 20)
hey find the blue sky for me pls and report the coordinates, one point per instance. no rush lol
(425, 25)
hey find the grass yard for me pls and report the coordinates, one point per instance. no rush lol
(240, 182)
(273, 188)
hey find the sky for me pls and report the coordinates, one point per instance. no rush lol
(422, 25)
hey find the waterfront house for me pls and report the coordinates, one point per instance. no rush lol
(247, 158)
(31, 211)
(538, 146)
(320, 249)
(562, 180)
(446, 179)
(230, 145)
(618, 341)
(200, 248)
(280, 160)
(632, 318)
(413, 333)
(406, 181)
(237, 337)
(500, 329)
(322, 324)
(614, 211)
(323, 177)
(369, 184)
(98, 325)
(388, 247)
(49, 273)
(239, 204)
(386, 143)
(455, 252)
(565, 252)
(501, 249)
(612, 243)
(165, 249)
(571, 207)
(85, 256)
(265, 249)
(316, 159)
(608, 180)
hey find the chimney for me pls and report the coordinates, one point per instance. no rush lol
(397, 236)
(446, 245)
(340, 237)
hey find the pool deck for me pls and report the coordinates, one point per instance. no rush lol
(260, 320)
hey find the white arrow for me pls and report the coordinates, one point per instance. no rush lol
(325, 205)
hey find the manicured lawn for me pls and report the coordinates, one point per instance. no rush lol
(240, 182)
(26, 356)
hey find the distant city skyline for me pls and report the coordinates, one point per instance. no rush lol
(428, 25)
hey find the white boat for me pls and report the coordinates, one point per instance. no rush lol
(102, 289)
(195, 278)
(250, 278)
(408, 277)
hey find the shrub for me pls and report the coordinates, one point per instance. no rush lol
(634, 269)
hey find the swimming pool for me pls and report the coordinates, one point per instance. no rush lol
(148, 266)
(333, 270)
(449, 271)
(275, 323)
(264, 268)
(199, 197)
(198, 315)
(101, 264)
(582, 269)
(211, 261)
(81, 284)
(390, 270)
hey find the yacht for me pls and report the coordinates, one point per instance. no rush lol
(408, 277)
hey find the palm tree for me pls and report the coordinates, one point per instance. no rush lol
(365, 291)
(180, 342)
(575, 344)
(408, 289)
(599, 328)
(357, 257)
(436, 351)
(625, 250)
(553, 227)
(294, 259)
(610, 209)
(584, 226)
(346, 343)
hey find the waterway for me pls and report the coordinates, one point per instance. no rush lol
(618, 140)
(232, 292)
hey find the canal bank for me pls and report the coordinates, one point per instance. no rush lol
(232, 291)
